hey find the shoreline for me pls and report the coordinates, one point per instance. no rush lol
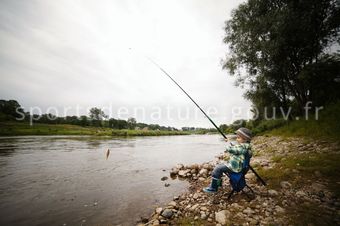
(37, 129)
(297, 193)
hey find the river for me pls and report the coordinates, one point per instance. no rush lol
(67, 180)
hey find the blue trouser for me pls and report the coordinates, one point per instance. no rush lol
(219, 170)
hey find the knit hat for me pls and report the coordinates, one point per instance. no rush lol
(245, 133)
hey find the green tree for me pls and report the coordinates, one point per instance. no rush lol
(83, 120)
(11, 108)
(96, 116)
(275, 42)
(131, 123)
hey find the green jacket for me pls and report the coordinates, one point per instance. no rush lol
(237, 155)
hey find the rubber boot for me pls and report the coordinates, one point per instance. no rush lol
(219, 183)
(213, 187)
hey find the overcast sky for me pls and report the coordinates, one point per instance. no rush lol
(93, 53)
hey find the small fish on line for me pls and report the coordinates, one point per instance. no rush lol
(107, 153)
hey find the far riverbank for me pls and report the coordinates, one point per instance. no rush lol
(24, 128)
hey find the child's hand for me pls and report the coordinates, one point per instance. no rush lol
(226, 139)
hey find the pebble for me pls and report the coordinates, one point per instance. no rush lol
(195, 196)
(248, 211)
(159, 210)
(285, 184)
(204, 216)
(182, 173)
(317, 174)
(203, 172)
(279, 209)
(163, 221)
(203, 208)
(253, 222)
(272, 193)
(155, 223)
(235, 205)
(300, 194)
(180, 166)
(194, 207)
(172, 203)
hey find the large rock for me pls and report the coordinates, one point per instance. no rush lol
(204, 216)
(201, 179)
(279, 209)
(272, 193)
(172, 203)
(193, 171)
(159, 210)
(235, 205)
(194, 207)
(248, 211)
(285, 185)
(195, 196)
(180, 166)
(182, 173)
(317, 187)
(174, 172)
(164, 178)
(250, 176)
(203, 172)
(207, 166)
(167, 213)
(253, 222)
(194, 166)
(203, 208)
(300, 194)
(222, 216)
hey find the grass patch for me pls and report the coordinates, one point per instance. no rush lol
(326, 163)
(306, 213)
(326, 127)
(189, 221)
(23, 128)
(309, 214)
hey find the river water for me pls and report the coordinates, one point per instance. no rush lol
(66, 180)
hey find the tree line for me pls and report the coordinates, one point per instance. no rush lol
(10, 110)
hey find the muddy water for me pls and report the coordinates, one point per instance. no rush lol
(66, 180)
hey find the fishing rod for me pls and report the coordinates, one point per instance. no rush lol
(218, 129)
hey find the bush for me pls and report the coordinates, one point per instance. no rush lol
(267, 125)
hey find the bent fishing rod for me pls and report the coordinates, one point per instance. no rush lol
(218, 129)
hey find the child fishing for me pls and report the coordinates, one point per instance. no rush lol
(242, 131)
(237, 156)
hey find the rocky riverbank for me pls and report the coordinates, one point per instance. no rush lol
(303, 188)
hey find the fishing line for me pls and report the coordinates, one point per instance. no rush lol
(218, 129)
